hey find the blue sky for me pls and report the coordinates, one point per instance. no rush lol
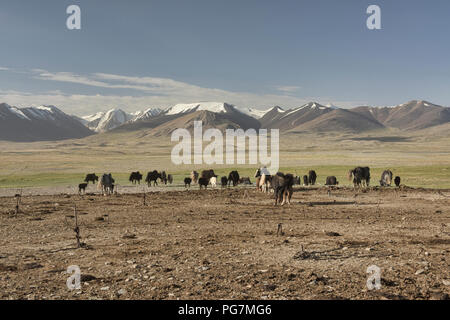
(253, 53)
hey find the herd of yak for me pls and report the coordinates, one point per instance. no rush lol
(280, 184)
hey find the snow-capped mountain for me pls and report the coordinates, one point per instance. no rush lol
(50, 123)
(39, 123)
(147, 114)
(258, 113)
(216, 107)
(111, 119)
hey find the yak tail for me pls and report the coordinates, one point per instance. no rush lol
(350, 175)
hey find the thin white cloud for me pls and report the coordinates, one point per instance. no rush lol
(288, 89)
(4, 69)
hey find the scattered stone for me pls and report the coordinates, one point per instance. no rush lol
(270, 287)
(7, 268)
(332, 234)
(33, 265)
(420, 271)
(87, 278)
(122, 292)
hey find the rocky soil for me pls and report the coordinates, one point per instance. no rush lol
(228, 244)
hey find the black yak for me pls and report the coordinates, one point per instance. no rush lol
(360, 175)
(187, 182)
(170, 178)
(312, 177)
(282, 186)
(135, 177)
(224, 182)
(245, 180)
(203, 182)
(305, 180)
(106, 184)
(331, 181)
(152, 176)
(397, 181)
(91, 177)
(233, 177)
(82, 187)
(163, 177)
(208, 174)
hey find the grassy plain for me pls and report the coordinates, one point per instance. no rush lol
(422, 160)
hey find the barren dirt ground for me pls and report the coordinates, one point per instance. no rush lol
(224, 244)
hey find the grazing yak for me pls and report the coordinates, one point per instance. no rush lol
(282, 186)
(106, 184)
(312, 177)
(305, 180)
(187, 182)
(208, 174)
(194, 176)
(331, 181)
(386, 178)
(263, 179)
(213, 181)
(91, 177)
(397, 181)
(82, 187)
(224, 182)
(360, 175)
(153, 176)
(297, 180)
(233, 177)
(203, 182)
(135, 177)
(163, 177)
(245, 180)
(170, 178)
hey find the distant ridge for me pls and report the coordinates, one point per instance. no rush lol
(45, 123)
(50, 123)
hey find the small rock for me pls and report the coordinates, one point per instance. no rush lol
(332, 234)
(104, 288)
(420, 271)
(121, 292)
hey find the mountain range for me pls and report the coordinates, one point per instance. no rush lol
(50, 123)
